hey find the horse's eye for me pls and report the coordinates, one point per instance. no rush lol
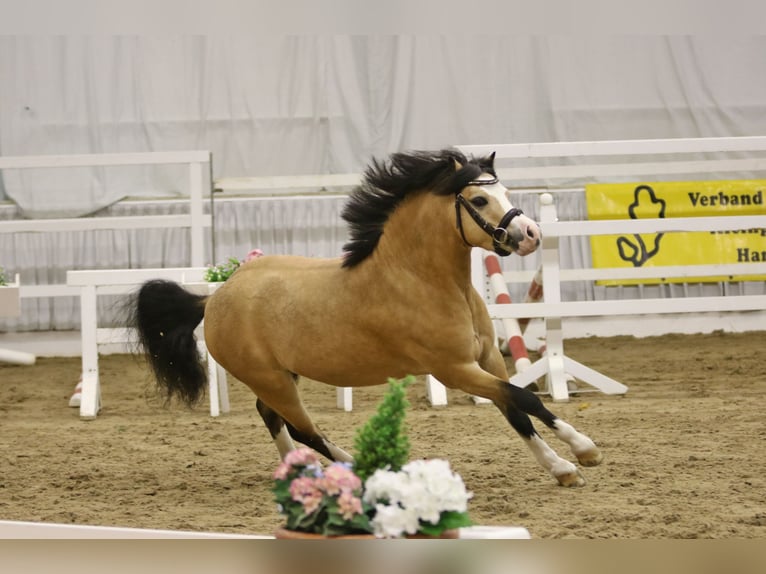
(479, 201)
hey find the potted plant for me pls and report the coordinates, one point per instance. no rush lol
(382, 443)
(319, 502)
(221, 272)
(419, 498)
(382, 494)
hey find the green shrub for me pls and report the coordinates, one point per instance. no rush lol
(382, 443)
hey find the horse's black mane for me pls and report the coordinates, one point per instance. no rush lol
(387, 183)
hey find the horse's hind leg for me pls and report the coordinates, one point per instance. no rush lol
(582, 447)
(277, 429)
(286, 418)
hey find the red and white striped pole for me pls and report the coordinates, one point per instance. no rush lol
(516, 344)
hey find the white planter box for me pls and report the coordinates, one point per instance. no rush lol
(202, 287)
(10, 305)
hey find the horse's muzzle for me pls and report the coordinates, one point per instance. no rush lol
(531, 236)
(523, 238)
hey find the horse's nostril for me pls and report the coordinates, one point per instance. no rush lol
(531, 233)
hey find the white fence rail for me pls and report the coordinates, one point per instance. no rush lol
(122, 281)
(605, 162)
(198, 165)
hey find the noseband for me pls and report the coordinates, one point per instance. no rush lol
(499, 234)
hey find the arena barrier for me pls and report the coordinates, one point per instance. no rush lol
(555, 364)
(90, 284)
(514, 329)
(563, 167)
(543, 176)
(20, 530)
(199, 167)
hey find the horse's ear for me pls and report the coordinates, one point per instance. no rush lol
(458, 165)
(491, 160)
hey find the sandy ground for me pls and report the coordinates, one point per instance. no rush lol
(685, 448)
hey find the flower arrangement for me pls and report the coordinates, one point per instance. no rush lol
(220, 273)
(381, 493)
(321, 501)
(3, 280)
(425, 497)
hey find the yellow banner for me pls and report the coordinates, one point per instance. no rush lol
(677, 199)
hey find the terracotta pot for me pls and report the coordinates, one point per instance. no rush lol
(285, 534)
(452, 533)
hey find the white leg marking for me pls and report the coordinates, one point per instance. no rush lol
(284, 442)
(577, 441)
(563, 470)
(338, 453)
(582, 447)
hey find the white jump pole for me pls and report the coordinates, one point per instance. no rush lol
(17, 357)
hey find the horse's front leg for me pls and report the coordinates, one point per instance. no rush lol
(476, 381)
(582, 447)
(528, 403)
(564, 471)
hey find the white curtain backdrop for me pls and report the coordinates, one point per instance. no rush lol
(284, 105)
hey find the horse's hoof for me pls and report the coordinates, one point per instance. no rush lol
(571, 479)
(590, 458)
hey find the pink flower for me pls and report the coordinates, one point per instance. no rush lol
(301, 457)
(254, 254)
(282, 471)
(305, 491)
(349, 505)
(313, 498)
(339, 478)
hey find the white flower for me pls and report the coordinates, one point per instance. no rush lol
(420, 492)
(389, 486)
(394, 521)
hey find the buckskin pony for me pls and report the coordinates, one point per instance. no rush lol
(398, 301)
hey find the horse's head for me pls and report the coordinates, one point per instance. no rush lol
(493, 222)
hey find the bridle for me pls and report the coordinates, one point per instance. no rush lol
(499, 233)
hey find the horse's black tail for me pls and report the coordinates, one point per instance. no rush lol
(164, 316)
